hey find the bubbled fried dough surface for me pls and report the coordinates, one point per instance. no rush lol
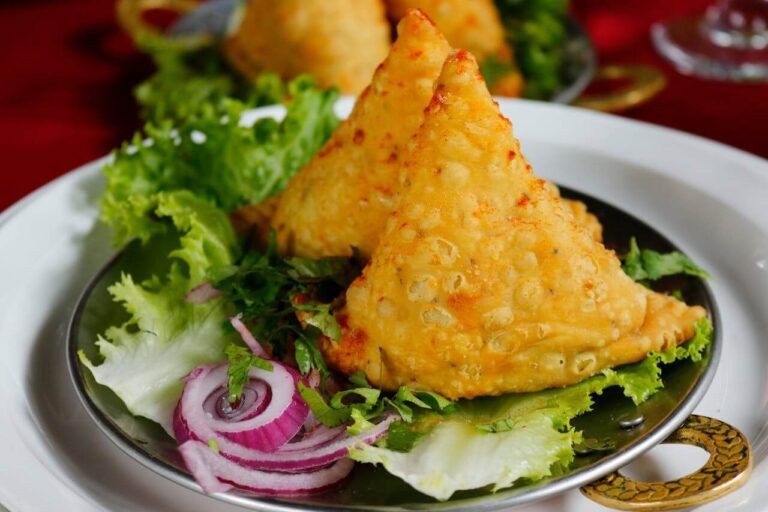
(587, 220)
(318, 37)
(343, 196)
(469, 293)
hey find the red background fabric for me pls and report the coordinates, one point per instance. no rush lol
(67, 75)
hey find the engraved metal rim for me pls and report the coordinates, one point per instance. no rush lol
(608, 464)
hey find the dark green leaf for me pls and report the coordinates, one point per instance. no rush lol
(240, 361)
(325, 414)
(359, 380)
(648, 265)
(401, 437)
(320, 316)
(405, 412)
(369, 396)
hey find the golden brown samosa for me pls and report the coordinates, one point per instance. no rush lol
(470, 293)
(474, 25)
(343, 196)
(340, 43)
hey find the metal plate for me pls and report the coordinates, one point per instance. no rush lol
(371, 487)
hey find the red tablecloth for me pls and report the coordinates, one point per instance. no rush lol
(67, 75)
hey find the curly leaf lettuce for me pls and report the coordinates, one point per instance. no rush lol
(166, 336)
(495, 441)
(215, 157)
(186, 80)
(457, 455)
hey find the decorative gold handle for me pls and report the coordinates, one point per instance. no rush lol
(728, 467)
(645, 83)
(130, 15)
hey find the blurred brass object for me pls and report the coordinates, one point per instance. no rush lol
(645, 83)
(130, 16)
(728, 468)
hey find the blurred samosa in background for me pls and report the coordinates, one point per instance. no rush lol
(339, 42)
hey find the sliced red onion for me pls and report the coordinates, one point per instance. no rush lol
(216, 473)
(256, 445)
(248, 338)
(312, 457)
(202, 294)
(271, 427)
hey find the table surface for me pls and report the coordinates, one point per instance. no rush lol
(68, 72)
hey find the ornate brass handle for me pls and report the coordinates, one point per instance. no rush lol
(130, 15)
(728, 467)
(644, 83)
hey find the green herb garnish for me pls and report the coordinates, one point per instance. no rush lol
(647, 265)
(281, 299)
(241, 360)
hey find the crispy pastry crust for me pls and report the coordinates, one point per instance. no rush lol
(343, 196)
(483, 282)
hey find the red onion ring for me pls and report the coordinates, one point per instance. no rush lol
(276, 424)
(216, 473)
(257, 445)
(310, 457)
(248, 338)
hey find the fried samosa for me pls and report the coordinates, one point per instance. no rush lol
(342, 198)
(469, 293)
(474, 25)
(340, 43)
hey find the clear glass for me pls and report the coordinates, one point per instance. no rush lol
(728, 42)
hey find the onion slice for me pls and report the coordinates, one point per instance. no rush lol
(269, 443)
(313, 457)
(202, 294)
(276, 424)
(216, 473)
(248, 338)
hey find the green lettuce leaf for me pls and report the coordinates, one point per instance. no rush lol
(145, 359)
(498, 440)
(456, 455)
(215, 157)
(166, 336)
(186, 80)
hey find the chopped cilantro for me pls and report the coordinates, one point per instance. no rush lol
(240, 361)
(647, 265)
(288, 300)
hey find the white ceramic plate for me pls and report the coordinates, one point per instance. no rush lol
(710, 199)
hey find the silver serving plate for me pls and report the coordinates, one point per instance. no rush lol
(371, 487)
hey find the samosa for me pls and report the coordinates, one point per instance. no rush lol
(340, 43)
(474, 25)
(482, 282)
(342, 198)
